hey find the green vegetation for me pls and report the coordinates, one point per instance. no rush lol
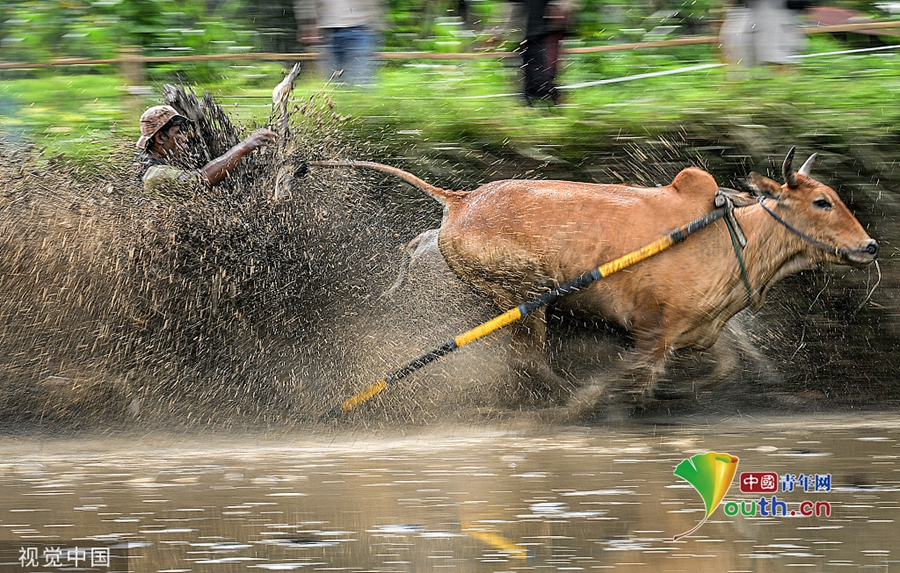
(429, 102)
(35, 31)
(830, 94)
(77, 110)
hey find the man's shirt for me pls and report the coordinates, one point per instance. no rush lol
(165, 181)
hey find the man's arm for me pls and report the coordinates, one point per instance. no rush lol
(216, 170)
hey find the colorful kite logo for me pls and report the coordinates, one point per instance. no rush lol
(711, 476)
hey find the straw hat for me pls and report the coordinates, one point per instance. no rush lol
(153, 120)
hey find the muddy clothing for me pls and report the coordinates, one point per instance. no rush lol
(166, 181)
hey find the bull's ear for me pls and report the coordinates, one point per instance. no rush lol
(740, 198)
(764, 187)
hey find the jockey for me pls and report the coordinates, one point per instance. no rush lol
(163, 137)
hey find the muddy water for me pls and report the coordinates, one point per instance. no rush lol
(488, 498)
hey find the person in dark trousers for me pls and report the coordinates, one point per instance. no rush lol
(163, 137)
(546, 23)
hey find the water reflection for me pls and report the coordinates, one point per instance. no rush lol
(467, 499)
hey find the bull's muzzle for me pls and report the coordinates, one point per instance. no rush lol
(872, 248)
(865, 255)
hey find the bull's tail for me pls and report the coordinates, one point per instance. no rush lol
(442, 195)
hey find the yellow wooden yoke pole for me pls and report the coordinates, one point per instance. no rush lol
(545, 299)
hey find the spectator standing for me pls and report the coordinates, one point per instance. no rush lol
(757, 32)
(350, 30)
(546, 23)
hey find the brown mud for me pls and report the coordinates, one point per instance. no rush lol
(234, 308)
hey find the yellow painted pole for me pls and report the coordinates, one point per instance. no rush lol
(545, 299)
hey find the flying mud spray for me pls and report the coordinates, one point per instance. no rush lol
(237, 306)
(267, 300)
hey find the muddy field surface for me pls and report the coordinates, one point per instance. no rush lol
(239, 308)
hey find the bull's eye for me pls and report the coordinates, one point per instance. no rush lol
(822, 204)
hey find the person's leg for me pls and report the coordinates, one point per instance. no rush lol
(359, 61)
(336, 39)
(531, 69)
(553, 44)
(538, 83)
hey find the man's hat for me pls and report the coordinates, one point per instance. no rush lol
(153, 120)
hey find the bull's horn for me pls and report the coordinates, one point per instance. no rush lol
(787, 168)
(807, 166)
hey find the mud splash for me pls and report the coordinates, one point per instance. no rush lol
(117, 307)
(238, 308)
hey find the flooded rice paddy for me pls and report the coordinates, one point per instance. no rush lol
(126, 316)
(486, 499)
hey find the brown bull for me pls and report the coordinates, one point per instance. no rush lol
(515, 239)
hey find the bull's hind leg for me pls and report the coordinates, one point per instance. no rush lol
(533, 381)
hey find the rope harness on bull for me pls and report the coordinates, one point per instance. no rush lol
(738, 239)
(871, 249)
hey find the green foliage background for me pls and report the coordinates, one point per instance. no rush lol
(37, 30)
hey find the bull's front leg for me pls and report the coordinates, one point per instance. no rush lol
(625, 389)
(533, 381)
(653, 345)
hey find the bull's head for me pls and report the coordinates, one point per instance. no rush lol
(814, 211)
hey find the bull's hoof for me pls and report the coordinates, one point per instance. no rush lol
(610, 403)
(591, 404)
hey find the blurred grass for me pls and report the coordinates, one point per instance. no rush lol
(473, 102)
(65, 112)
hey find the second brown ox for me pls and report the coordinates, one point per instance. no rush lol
(515, 239)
